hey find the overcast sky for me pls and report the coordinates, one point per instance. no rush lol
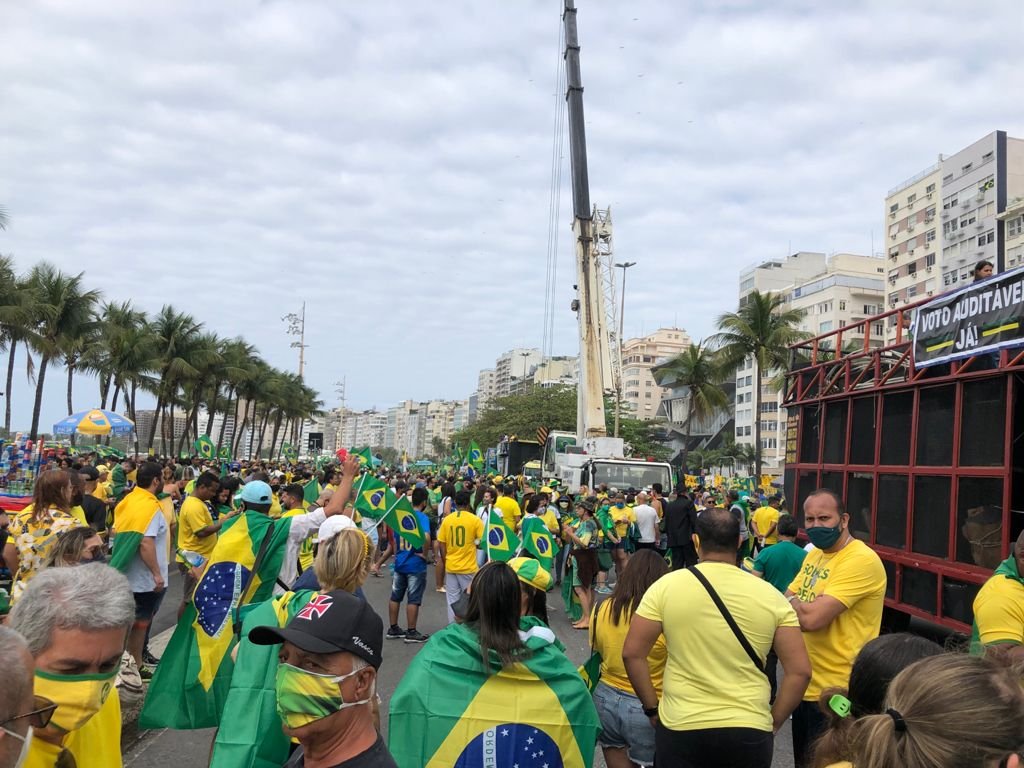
(389, 163)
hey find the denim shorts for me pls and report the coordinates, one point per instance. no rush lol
(413, 583)
(623, 724)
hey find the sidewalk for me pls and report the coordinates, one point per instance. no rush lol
(130, 711)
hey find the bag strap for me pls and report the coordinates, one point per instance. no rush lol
(730, 620)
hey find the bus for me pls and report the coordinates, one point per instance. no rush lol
(928, 457)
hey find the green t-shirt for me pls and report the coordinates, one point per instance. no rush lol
(433, 499)
(780, 563)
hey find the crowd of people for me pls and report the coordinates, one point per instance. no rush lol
(711, 627)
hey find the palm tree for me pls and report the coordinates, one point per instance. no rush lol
(696, 369)
(204, 355)
(762, 329)
(175, 332)
(14, 321)
(239, 357)
(61, 309)
(4, 218)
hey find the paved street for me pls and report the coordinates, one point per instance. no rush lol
(188, 749)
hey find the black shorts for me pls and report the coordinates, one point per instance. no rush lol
(146, 605)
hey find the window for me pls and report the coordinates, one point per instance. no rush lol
(739, 431)
(1015, 227)
(893, 208)
(966, 168)
(911, 291)
(825, 327)
(842, 306)
(869, 309)
(894, 253)
(929, 189)
(947, 178)
(746, 431)
(967, 220)
(647, 395)
(986, 238)
(768, 442)
(929, 260)
(877, 329)
(929, 236)
(987, 156)
(911, 198)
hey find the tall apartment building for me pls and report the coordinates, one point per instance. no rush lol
(557, 371)
(772, 276)
(914, 244)
(361, 428)
(513, 366)
(1013, 221)
(485, 388)
(641, 394)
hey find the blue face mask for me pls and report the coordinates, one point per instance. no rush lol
(620, 504)
(823, 536)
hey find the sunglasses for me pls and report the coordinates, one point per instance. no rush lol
(40, 716)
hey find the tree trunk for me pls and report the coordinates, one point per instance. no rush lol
(211, 409)
(71, 407)
(263, 431)
(131, 412)
(224, 421)
(274, 453)
(239, 429)
(10, 384)
(689, 429)
(37, 408)
(757, 418)
(156, 416)
(105, 382)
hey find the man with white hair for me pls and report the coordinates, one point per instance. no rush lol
(646, 521)
(19, 713)
(75, 622)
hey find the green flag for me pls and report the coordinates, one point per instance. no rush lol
(475, 457)
(225, 453)
(538, 542)
(491, 715)
(311, 491)
(403, 520)
(365, 457)
(191, 682)
(502, 542)
(204, 447)
(371, 497)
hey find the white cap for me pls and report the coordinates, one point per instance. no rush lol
(330, 527)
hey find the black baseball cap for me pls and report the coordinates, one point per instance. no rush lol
(332, 622)
(89, 472)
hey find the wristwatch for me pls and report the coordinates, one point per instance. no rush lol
(651, 711)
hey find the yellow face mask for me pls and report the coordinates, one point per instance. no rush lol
(78, 697)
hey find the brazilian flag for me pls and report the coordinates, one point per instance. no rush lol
(204, 447)
(191, 682)
(502, 542)
(401, 517)
(311, 491)
(534, 712)
(475, 457)
(538, 542)
(365, 457)
(371, 497)
(225, 453)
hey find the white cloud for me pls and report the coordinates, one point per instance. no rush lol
(389, 162)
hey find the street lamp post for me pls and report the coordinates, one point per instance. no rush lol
(297, 327)
(622, 312)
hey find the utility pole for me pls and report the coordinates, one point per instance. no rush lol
(622, 312)
(339, 388)
(297, 327)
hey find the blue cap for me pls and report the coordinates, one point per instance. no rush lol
(256, 492)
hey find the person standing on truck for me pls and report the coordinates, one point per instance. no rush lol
(999, 610)
(838, 596)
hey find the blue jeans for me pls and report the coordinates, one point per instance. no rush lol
(411, 583)
(623, 724)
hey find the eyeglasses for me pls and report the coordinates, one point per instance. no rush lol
(41, 715)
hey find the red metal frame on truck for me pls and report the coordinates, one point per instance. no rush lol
(839, 379)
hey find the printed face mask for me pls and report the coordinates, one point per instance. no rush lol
(78, 697)
(304, 697)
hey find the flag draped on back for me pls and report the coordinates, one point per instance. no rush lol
(132, 517)
(191, 682)
(494, 717)
(537, 540)
(254, 738)
(502, 542)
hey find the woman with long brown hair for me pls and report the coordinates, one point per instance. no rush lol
(627, 736)
(33, 533)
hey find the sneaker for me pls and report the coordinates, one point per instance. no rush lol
(146, 674)
(412, 636)
(149, 659)
(395, 632)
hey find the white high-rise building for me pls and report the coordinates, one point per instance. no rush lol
(641, 394)
(513, 366)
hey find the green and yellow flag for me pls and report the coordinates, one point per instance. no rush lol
(475, 457)
(191, 682)
(365, 457)
(204, 447)
(502, 542)
(537, 540)
(401, 517)
(311, 491)
(371, 497)
(225, 453)
(132, 517)
(494, 716)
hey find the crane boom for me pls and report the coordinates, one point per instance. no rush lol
(590, 416)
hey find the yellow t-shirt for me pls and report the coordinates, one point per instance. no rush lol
(101, 491)
(460, 532)
(622, 518)
(77, 512)
(306, 547)
(710, 682)
(97, 744)
(999, 611)
(510, 511)
(764, 518)
(194, 516)
(855, 577)
(608, 640)
(550, 521)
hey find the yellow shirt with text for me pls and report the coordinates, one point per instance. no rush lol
(855, 577)
(459, 532)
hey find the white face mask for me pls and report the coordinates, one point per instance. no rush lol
(26, 742)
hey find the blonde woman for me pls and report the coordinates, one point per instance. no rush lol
(254, 735)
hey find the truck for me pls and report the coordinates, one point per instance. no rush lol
(925, 449)
(513, 454)
(573, 467)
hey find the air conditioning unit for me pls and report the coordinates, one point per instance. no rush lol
(893, 303)
(930, 292)
(910, 205)
(913, 274)
(929, 195)
(910, 252)
(892, 214)
(892, 237)
(979, 225)
(965, 204)
(929, 219)
(910, 228)
(928, 270)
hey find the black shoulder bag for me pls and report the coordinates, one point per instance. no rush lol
(730, 621)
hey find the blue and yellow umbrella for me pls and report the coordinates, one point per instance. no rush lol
(94, 422)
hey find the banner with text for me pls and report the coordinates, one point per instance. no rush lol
(980, 318)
